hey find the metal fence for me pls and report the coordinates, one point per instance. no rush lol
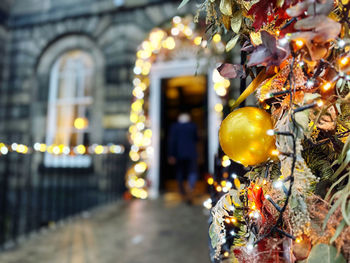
(33, 196)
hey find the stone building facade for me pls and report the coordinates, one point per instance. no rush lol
(4, 40)
(34, 33)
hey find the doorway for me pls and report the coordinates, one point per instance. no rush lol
(173, 69)
(183, 94)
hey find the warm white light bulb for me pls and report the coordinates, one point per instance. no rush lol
(310, 83)
(250, 247)
(4, 150)
(270, 132)
(256, 214)
(278, 184)
(14, 146)
(341, 43)
(37, 146)
(283, 41)
(177, 19)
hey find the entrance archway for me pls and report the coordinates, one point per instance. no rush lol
(167, 53)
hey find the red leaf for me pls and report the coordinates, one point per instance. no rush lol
(266, 11)
(231, 71)
(256, 195)
(299, 8)
(268, 53)
(324, 28)
(260, 12)
(247, 47)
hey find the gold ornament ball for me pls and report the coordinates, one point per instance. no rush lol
(243, 136)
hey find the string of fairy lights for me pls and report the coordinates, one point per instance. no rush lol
(285, 185)
(61, 149)
(80, 124)
(140, 133)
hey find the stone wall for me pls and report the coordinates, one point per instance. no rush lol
(112, 32)
(4, 39)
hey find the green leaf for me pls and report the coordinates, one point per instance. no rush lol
(232, 43)
(338, 231)
(213, 236)
(234, 194)
(325, 254)
(337, 105)
(293, 202)
(211, 231)
(226, 7)
(344, 151)
(311, 96)
(343, 165)
(331, 211)
(236, 21)
(335, 184)
(183, 3)
(343, 209)
(339, 83)
(302, 118)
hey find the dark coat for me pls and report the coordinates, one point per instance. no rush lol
(183, 140)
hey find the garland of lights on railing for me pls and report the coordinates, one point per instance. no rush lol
(140, 134)
(61, 149)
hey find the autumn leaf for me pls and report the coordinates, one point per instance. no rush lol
(236, 21)
(316, 31)
(260, 12)
(268, 53)
(226, 21)
(226, 7)
(231, 71)
(232, 43)
(270, 11)
(324, 253)
(298, 9)
(309, 6)
(247, 47)
(320, 27)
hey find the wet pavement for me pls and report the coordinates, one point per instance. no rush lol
(160, 231)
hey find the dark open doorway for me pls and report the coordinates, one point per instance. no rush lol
(185, 93)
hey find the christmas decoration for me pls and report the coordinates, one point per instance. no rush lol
(296, 207)
(61, 149)
(162, 45)
(243, 136)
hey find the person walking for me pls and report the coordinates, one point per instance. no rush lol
(183, 140)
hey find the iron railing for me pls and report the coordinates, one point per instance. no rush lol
(33, 196)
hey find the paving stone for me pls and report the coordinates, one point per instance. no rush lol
(135, 232)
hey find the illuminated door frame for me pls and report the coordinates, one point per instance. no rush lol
(177, 68)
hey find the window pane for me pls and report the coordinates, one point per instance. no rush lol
(75, 72)
(67, 86)
(69, 132)
(64, 123)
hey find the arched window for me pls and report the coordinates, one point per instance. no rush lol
(69, 106)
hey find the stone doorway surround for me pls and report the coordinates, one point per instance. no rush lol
(176, 68)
